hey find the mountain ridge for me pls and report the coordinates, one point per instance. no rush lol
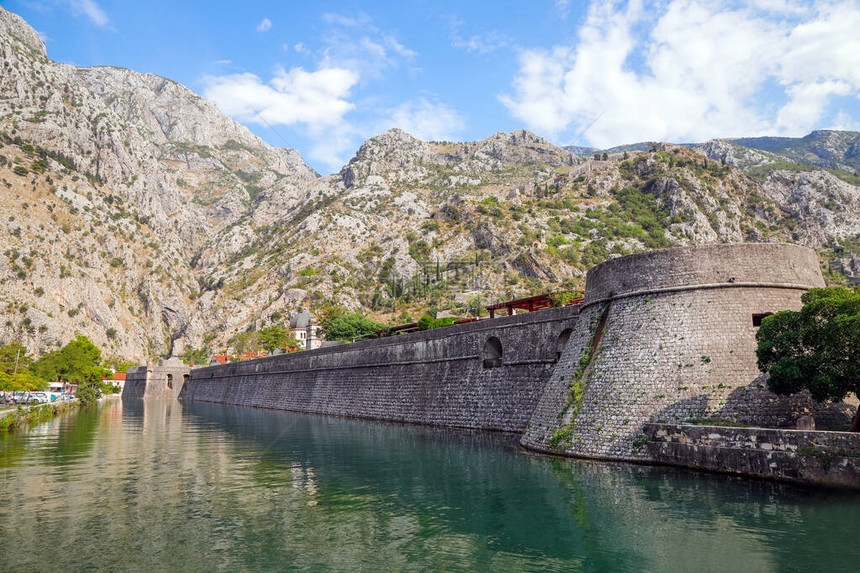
(141, 216)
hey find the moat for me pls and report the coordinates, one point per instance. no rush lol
(154, 485)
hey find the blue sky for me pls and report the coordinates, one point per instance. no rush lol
(328, 75)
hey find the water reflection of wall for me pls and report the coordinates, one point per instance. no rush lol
(596, 515)
(206, 487)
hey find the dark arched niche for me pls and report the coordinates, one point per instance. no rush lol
(492, 353)
(562, 342)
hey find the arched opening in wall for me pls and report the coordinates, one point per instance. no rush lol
(185, 379)
(757, 318)
(170, 381)
(492, 354)
(562, 342)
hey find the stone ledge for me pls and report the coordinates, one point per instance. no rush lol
(830, 459)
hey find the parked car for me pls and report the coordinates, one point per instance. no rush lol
(38, 398)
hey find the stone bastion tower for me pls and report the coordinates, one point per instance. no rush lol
(670, 336)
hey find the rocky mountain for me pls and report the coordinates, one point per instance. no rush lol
(823, 148)
(116, 186)
(136, 213)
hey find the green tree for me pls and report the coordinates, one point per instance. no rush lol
(349, 326)
(245, 341)
(816, 348)
(275, 336)
(199, 356)
(21, 382)
(427, 322)
(14, 358)
(79, 362)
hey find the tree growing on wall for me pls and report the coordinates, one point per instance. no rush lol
(816, 348)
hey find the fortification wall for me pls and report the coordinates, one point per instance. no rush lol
(135, 382)
(677, 343)
(435, 377)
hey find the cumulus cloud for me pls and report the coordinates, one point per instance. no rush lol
(91, 10)
(432, 121)
(291, 97)
(320, 106)
(691, 70)
(265, 25)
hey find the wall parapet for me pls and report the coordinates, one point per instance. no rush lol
(822, 458)
(769, 265)
(710, 286)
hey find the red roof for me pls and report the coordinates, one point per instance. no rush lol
(530, 303)
(116, 376)
(224, 358)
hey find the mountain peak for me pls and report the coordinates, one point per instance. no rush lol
(14, 27)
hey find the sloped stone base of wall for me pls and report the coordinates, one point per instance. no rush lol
(829, 459)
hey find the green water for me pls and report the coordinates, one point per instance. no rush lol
(134, 486)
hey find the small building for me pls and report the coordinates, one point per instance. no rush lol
(308, 334)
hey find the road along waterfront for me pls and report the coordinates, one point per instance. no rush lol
(157, 485)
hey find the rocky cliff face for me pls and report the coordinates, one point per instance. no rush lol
(136, 213)
(124, 192)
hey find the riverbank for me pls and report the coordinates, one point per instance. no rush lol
(21, 417)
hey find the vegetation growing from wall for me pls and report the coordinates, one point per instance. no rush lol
(577, 383)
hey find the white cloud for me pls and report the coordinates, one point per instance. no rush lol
(347, 21)
(844, 122)
(91, 10)
(430, 121)
(265, 25)
(316, 99)
(482, 43)
(691, 70)
(223, 62)
(478, 43)
(317, 105)
(356, 44)
(563, 7)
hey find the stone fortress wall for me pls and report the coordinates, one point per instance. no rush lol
(672, 335)
(485, 375)
(663, 336)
